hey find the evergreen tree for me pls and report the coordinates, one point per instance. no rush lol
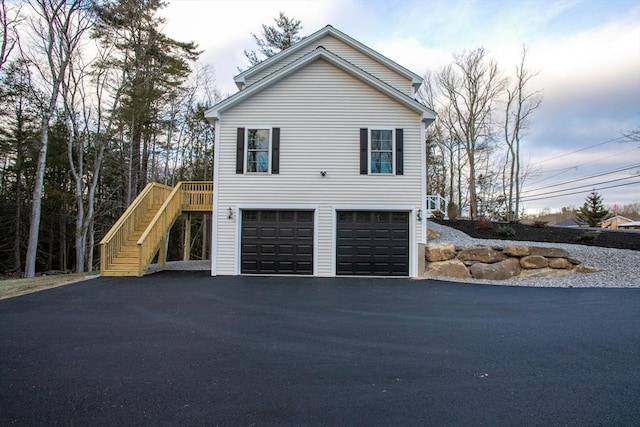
(593, 211)
(275, 38)
(154, 64)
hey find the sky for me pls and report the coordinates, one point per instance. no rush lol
(587, 54)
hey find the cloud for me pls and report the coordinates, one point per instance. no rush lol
(588, 55)
(223, 28)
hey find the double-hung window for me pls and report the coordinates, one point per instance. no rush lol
(258, 148)
(381, 151)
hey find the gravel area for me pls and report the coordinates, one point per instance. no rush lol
(621, 267)
(200, 265)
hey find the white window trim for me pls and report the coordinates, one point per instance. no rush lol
(246, 149)
(393, 151)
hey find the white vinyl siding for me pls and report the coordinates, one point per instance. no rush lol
(346, 52)
(320, 111)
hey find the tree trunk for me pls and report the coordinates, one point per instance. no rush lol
(36, 207)
(92, 242)
(473, 196)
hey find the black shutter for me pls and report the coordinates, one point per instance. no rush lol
(240, 151)
(399, 151)
(364, 149)
(275, 150)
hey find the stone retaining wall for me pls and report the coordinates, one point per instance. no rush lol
(498, 263)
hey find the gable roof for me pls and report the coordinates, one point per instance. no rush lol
(241, 78)
(615, 217)
(320, 52)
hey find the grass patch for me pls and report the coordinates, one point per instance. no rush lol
(16, 287)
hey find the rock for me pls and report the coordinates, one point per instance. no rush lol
(481, 254)
(586, 269)
(544, 272)
(548, 252)
(516, 250)
(502, 270)
(574, 261)
(559, 263)
(439, 252)
(450, 268)
(533, 261)
(432, 234)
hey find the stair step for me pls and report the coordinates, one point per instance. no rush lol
(119, 273)
(127, 262)
(133, 260)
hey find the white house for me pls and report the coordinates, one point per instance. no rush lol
(320, 165)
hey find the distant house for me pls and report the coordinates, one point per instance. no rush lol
(614, 222)
(319, 164)
(631, 225)
(569, 223)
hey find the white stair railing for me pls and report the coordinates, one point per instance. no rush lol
(436, 202)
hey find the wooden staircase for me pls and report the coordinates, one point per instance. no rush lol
(142, 231)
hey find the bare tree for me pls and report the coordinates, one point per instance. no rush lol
(9, 20)
(471, 86)
(57, 28)
(91, 94)
(521, 103)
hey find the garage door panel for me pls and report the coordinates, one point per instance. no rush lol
(250, 232)
(277, 242)
(383, 251)
(380, 234)
(286, 249)
(372, 243)
(304, 233)
(267, 233)
(399, 252)
(287, 233)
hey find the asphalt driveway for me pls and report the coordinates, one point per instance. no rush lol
(187, 349)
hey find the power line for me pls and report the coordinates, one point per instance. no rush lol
(583, 179)
(582, 149)
(578, 192)
(583, 186)
(565, 170)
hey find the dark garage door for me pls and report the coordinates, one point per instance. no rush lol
(373, 243)
(277, 242)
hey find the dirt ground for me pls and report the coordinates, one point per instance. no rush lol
(15, 287)
(522, 232)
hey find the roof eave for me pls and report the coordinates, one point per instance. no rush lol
(320, 53)
(416, 80)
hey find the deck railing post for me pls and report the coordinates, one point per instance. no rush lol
(162, 252)
(187, 238)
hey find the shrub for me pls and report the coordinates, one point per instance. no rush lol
(588, 237)
(482, 224)
(439, 215)
(539, 224)
(505, 230)
(452, 211)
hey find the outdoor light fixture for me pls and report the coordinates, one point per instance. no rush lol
(323, 173)
(229, 213)
(419, 216)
